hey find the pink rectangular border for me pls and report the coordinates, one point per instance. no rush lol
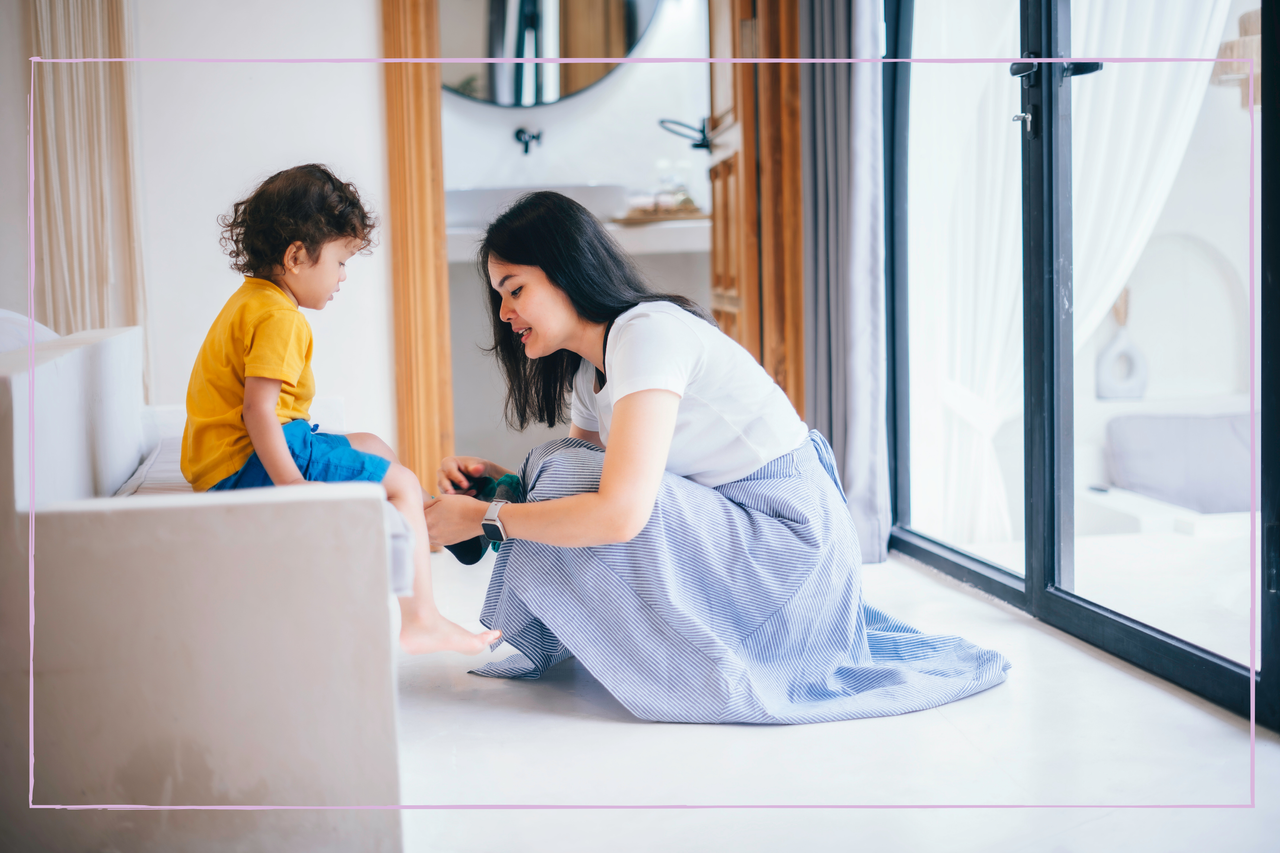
(31, 519)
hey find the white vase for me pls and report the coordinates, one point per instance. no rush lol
(1121, 369)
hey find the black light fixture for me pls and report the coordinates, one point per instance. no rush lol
(688, 131)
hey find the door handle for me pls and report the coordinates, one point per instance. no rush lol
(1025, 70)
(1079, 69)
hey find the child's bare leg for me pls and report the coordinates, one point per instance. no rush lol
(367, 442)
(422, 627)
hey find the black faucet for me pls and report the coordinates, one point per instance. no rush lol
(524, 137)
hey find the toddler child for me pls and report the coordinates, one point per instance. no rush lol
(251, 387)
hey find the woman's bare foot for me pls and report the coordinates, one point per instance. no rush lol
(420, 636)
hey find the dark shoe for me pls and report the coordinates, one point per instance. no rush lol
(469, 551)
(509, 488)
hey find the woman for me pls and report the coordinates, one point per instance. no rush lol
(689, 542)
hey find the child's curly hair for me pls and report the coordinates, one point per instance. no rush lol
(306, 204)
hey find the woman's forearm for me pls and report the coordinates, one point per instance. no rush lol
(643, 424)
(577, 521)
(620, 508)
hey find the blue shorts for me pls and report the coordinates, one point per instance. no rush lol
(321, 457)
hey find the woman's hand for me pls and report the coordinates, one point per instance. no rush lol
(457, 472)
(639, 443)
(454, 518)
(634, 462)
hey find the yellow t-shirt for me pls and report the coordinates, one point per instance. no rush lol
(259, 332)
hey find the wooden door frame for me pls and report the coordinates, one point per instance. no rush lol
(735, 233)
(765, 137)
(416, 226)
(781, 205)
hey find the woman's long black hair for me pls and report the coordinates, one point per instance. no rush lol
(560, 237)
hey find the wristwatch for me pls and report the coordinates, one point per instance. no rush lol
(492, 527)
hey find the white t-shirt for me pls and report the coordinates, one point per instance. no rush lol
(732, 417)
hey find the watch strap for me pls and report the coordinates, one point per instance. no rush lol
(493, 528)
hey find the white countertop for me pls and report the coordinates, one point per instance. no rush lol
(655, 238)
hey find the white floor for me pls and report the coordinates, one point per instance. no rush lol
(1181, 571)
(1071, 727)
(1194, 587)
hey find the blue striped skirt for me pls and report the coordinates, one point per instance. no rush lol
(738, 604)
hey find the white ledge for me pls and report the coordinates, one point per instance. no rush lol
(654, 238)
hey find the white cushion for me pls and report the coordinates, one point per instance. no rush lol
(160, 473)
(1193, 461)
(15, 330)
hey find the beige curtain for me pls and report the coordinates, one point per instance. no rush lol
(846, 384)
(88, 260)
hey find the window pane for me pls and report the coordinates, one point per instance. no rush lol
(964, 270)
(1161, 330)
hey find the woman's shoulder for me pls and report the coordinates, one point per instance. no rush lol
(658, 342)
(660, 315)
(659, 330)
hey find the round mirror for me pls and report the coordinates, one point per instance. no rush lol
(518, 29)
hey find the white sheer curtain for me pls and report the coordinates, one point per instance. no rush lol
(964, 267)
(88, 258)
(1131, 125)
(983, 385)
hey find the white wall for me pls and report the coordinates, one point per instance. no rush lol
(207, 133)
(15, 80)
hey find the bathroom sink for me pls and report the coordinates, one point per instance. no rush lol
(476, 208)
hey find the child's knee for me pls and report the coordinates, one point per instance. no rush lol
(367, 442)
(399, 480)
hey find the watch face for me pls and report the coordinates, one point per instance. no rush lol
(492, 532)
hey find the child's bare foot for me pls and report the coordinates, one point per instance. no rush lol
(419, 637)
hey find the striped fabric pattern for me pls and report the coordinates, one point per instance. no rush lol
(160, 473)
(737, 604)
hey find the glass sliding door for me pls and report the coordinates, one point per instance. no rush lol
(962, 408)
(1054, 308)
(1069, 308)
(1160, 282)
(964, 253)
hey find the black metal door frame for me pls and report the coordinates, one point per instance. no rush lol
(1048, 359)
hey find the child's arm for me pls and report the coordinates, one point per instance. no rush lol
(260, 398)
